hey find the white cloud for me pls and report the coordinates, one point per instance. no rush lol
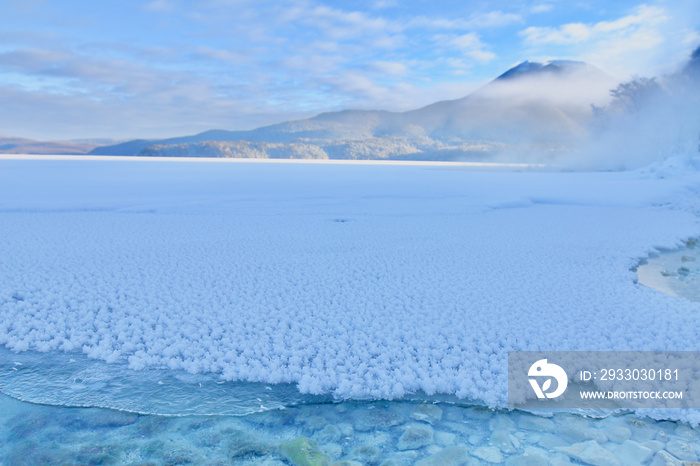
(361, 92)
(481, 55)
(649, 40)
(33, 60)
(226, 56)
(491, 19)
(245, 57)
(573, 33)
(159, 6)
(172, 112)
(541, 8)
(380, 4)
(566, 34)
(691, 38)
(631, 54)
(469, 45)
(646, 15)
(87, 74)
(340, 24)
(390, 67)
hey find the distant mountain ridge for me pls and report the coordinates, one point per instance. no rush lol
(13, 145)
(543, 105)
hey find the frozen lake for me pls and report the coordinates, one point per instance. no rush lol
(340, 281)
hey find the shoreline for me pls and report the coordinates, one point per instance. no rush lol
(428, 163)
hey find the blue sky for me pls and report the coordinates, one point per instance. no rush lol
(160, 68)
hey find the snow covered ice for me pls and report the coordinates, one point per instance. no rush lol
(360, 281)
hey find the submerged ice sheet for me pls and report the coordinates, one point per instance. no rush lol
(355, 281)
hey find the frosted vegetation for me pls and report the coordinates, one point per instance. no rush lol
(649, 119)
(386, 148)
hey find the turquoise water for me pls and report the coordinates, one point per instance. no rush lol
(369, 433)
(58, 408)
(172, 418)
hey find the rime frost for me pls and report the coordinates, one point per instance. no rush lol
(244, 269)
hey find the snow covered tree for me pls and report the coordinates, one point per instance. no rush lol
(633, 95)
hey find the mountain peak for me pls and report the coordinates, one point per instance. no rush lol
(529, 68)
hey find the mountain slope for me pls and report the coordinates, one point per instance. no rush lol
(532, 103)
(12, 145)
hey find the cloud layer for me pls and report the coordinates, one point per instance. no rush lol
(168, 67)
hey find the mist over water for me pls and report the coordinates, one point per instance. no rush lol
(580, 118)
(649, 120)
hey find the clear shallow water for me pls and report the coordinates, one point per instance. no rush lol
(65, 379)
(74, 380)
(201, 420)
(676, 272)
(387, 433)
